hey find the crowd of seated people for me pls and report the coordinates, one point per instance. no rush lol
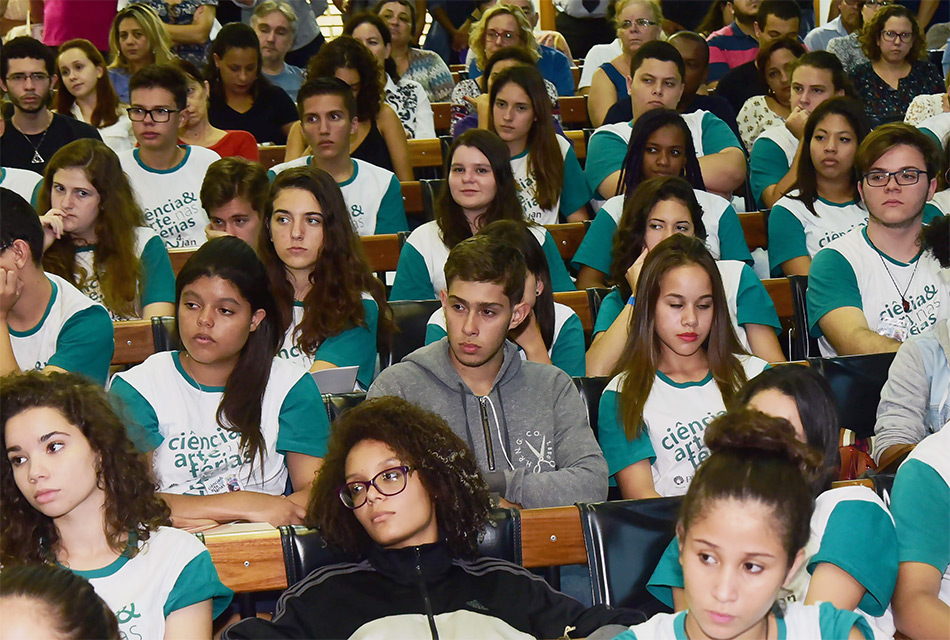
(225, 184)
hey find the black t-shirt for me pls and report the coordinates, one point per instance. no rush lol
(16, 152)
(740, 84)
(272, 109)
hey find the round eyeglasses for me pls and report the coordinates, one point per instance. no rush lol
(904, 177)
(388, 482)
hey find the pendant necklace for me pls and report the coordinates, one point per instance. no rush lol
(904, 302)
(37, 158)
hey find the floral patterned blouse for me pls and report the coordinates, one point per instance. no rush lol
(849, 51)
(883, 103)
(429, 70)
(754, 118)
(923, 107)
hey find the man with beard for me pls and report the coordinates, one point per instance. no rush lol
(734, 44)
(33, 133)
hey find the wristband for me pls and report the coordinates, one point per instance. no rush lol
(631, 300)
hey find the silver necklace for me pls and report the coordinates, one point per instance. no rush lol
(37, 158)
(904, 302)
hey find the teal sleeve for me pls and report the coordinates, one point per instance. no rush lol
(86, 343)
(391, 217)
(837, 623)
(919, 500)
(354, 346)
(596, 247)
(141, 421)
(717, 135)
(158, 278)
(931, 212)
(560, 279)
(567, 352)
(668, 574)
(198, 582)
(575, 193)
(303, 426)
(753, 303)
(732, 244)
(605, 154)
(35, 197)
(933, 136)
(610, 308)
(619, 451)
(271, 174)
(434, 333)
(412, 280)
(626, 635)
(767, 165)
(831, 285)
(870, 558)
(786, 237)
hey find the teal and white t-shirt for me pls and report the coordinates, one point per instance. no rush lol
(920, 502)
(567, 345)
(172, 570)
(353, 346)
(420, 274)
(794, 231)
(772, 155)
(797, 622)
(746, 297)
(171, 198)
(938, 128)
(158, 278)
(574, 192)
(671, 437)
(74, 334)
(372, 194)
(174, 417)
(724, 237)
(22, 182)
(608, 144)
(851, 272)
(870, 558)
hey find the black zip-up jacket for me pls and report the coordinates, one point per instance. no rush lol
(425, 592)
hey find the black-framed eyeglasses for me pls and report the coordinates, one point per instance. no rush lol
(891, 36)
(388, 482)
(643, 23)
(137, 114)
(20, 78)
(904, 177)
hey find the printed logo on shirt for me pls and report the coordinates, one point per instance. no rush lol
(173, 218)
(125, 617)
(685, 440)
(529, 204)
(292, 354)
(536, 457)
(207, 458)
(921, 316)
(834, 235)
(356, 217)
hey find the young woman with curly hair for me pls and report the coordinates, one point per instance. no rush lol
(76, 493)
(327, 321)
(403, 493)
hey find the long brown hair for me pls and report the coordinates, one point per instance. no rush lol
(340, 275)
(641, 353)
(159, 41)
(107, 100)
(115, 264)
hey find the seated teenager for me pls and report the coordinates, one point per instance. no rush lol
(660, 146)
(659, 208)
(234, 193)
(651, 427)
(387, 456)
(480, 189)
(47, 324)
(551, 184)
(773, 162)
(760, 112)
(165, 176)
(224, 420)
(327, 321)
(75, 493)
(101, 244)
(552, 332)
(657, 71)
(873, 287)
(824, 203)
(848, 571)
(524, 421)
(328, 119)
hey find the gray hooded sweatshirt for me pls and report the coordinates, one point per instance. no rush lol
(529, 434)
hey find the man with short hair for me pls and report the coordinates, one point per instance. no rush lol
(307, 38)
(524, 421)
(872, 288)
(34, 133)
(275, 23)
(735, 43)
(657, 71)
(848, 20)
(372, 194)
(47, 324)
(166, 177)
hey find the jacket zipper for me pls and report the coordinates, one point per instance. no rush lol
(425, 596)
(486, 430)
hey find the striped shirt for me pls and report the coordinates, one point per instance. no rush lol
(728, 48)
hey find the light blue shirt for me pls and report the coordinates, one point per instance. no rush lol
(819, 37)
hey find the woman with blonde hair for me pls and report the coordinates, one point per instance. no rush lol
(137, 38)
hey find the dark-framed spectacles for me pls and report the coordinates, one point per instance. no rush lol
(876, 3)
(20, 78)
(506, 36)
(891, 36)
(137, 114)
(904, 177)
(388, 482)
(643, 23)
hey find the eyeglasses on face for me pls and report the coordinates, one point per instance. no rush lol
(876, 3)
(643, 23)
(388, 482)
(506, 36)
(137, 114)
(891, 36)
(904, 177)
(20, 78)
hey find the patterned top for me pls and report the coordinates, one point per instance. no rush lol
(923, 107)
(883, 103)
(470, 89)
(755, 116)
(410, 102)
(182, 13)
(849, 52)
(429, 70)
